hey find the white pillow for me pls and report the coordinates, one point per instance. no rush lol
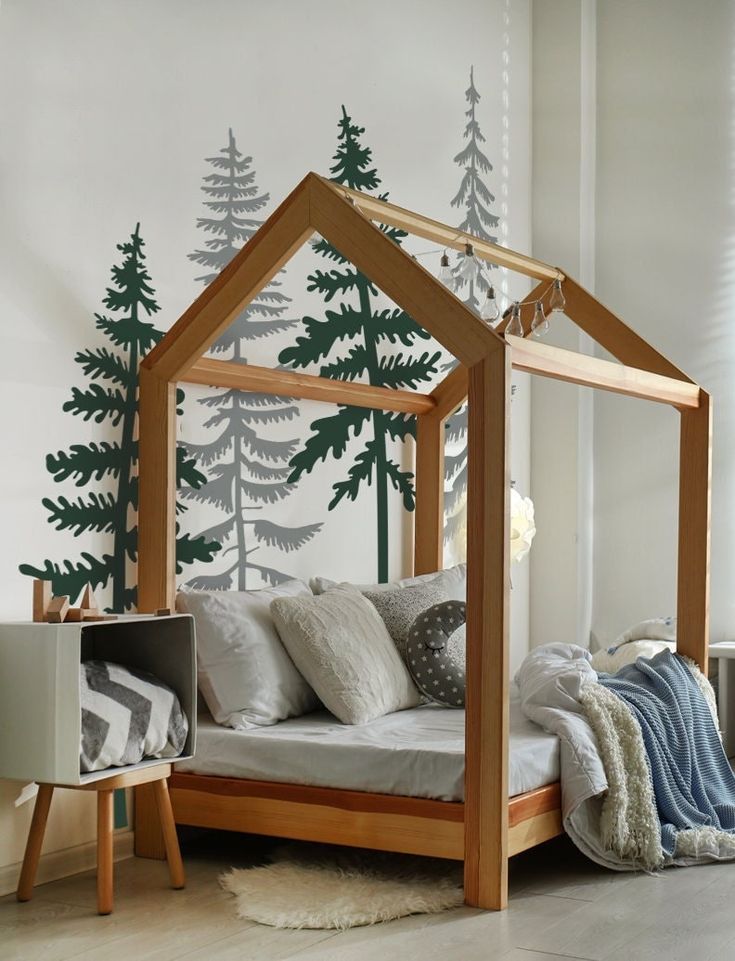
(342, 647)
(611, 660)
(245, 674)
(452, 581)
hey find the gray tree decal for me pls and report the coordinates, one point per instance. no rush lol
(474, 199)
(473, 196)
(247, 468)
(112, 396)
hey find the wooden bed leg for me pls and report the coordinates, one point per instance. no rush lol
(488, 601)
(149, 842)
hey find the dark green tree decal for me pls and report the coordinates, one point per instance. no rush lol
(371, 334)
(248, 469)
(474, 198)
(112, 397)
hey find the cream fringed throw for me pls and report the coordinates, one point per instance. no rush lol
(629, 822)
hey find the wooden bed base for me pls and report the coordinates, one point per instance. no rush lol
(486, 829)
(355, 818)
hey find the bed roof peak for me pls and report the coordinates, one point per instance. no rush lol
(348, 220)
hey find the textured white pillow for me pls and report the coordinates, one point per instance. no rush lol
(342, 647)
(245, 674)
(452, 581)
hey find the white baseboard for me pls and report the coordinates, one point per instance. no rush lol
(61, 864)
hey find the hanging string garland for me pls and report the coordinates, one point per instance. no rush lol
(472, 269)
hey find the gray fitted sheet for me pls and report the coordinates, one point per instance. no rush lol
(417, 753)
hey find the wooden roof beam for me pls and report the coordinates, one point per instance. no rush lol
(264, 380)
(575, 368)
(610, 332)
(429, 229)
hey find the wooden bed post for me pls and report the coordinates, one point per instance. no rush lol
(157, 493)
(428, 525)
(488, 602)
(695, 470)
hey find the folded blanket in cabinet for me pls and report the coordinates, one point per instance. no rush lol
(127, 715)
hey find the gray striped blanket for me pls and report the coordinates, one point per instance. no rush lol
(127, 715)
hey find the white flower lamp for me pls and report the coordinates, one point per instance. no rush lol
(522, 525)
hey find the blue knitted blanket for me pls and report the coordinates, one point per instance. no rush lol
(693, 783)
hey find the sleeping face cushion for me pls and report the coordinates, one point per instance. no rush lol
(435, 653)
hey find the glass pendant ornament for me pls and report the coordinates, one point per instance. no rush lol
(540, 323)
(557, 300)
(490, 310)
(445, 272)
(515, 327)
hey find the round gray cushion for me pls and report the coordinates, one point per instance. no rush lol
(435, 659)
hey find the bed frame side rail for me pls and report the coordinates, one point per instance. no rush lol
(358, 819)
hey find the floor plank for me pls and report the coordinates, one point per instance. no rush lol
(561, 906)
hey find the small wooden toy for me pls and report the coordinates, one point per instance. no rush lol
(78, 613)
(57, 609)
(89, 601)
(41, 599)
(163, 612)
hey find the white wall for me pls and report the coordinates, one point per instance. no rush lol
(665, 237)
(115, 105)
(563, 124)
(649, 225)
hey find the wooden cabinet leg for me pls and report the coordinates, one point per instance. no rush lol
(170, 838)
(104, 850)
(34, 842)
(148, 835)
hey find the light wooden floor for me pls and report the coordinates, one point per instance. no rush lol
(561, 906)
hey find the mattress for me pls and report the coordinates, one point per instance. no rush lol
(417, 753)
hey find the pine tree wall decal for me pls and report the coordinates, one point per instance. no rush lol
(473, 194)
(247, 468)
(474, 198)
(370, 332)
(112, 396)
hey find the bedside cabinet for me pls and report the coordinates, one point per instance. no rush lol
(40, 722)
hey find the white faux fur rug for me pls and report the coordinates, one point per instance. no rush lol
(317, 886)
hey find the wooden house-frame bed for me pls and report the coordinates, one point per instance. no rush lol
(488, 827)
